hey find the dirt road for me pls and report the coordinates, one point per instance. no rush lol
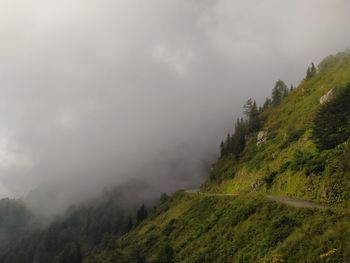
(290, 201)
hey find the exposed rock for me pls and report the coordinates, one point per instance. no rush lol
(310, 183)
(257, 184)
(327, 97)
(261, 137)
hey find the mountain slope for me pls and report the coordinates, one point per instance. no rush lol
(289, 156)
(283, 196)
(247, 228)
(244, 225)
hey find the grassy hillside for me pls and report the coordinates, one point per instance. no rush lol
(305, 155)
(247, 228)
(289, 162)
(214, 227)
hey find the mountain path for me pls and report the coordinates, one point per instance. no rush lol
(290, 201)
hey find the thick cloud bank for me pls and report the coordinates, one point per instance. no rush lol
(95, 92)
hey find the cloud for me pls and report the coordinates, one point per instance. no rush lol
(94, 92)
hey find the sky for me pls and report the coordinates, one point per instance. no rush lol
(95, 93)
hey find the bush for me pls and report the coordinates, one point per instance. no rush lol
(292, 136)
(269, 177)
(332, 122)
(312, 163)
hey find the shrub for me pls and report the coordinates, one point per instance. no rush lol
(269, 177)
(312, 163)
(332, 122)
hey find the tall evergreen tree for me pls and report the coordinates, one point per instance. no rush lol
(254, 123)
(308, 73)
(267, 103)
(313, 70)
(332, 122)
(247, 108)
(279, 92)
(228, 144)
(252, 114)
(222, 149)
(141, 213)
(239, 137)
(130, 224)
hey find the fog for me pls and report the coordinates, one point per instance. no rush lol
(95, 93)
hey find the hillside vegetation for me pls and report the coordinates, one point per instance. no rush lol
(293, 145)
(294, 161)
(248, 228)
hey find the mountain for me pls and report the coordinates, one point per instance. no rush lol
(291, 161)
(280, 192)
(81, 230)
(282, 197)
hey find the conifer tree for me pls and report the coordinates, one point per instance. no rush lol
(141, 214)
(308, 73)
(238, 138)
(247, 108)
(267, 103)
(332, 122)
(130, 224)
(313, 69)
(279, 92)
(252, 114)
(222, 149)
(254, 119)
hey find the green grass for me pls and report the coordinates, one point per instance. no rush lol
(247, 228)
(290, 128)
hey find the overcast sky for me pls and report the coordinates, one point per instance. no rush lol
(91, 91)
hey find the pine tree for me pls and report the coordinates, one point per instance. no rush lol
(267, 104)
(332, 122)
(228, 144)
(279, 92)
(238, 138)
(313, 70)
(251, 112)
(308, 73)
(247, 108)
(130, 224)
(254, 122)
(222, 149)
(141, 214)
(291, 88)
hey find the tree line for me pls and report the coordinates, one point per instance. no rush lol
(252, 121)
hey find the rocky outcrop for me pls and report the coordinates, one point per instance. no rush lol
(327, 97)
(257, 184)
(261, 137)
